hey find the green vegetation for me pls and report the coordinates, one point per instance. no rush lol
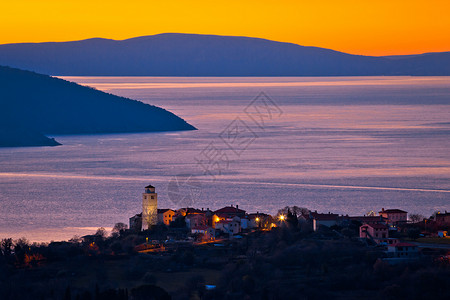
(288, 262)
(32, 105)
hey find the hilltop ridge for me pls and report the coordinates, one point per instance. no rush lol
(177, 54)
(32, 105)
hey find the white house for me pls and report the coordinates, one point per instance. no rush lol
(403, 250)
(379, 233)
(319, 219)
(228, 226)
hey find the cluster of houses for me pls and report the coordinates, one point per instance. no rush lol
(442, 218)
(231, 221)
(375, 228)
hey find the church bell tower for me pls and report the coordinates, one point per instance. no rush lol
(149, 207)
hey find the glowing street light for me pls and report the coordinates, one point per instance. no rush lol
(282, 217)
(257, 219)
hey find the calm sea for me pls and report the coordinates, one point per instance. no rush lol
(346, 145)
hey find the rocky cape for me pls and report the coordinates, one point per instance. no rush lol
(34, 105)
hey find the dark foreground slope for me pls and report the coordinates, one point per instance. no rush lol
(174, 54)
(283, 263)
(32, 104)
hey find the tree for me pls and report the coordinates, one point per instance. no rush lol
(291, 219)
(101, 232)
(6, 246)
(20, 248)
(118, 229)
(22, 242)
(76, 239)
(298, 211)
(416, 218)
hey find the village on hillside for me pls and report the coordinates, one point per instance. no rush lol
(389, 228)
(229, 253)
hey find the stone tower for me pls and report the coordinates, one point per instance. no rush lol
(149, 207)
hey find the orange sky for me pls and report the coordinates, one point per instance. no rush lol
(362, 27)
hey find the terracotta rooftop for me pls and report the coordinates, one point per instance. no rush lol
(324, 217)
(229, 210)
(163, 210)
(190, 216)
(367, 218)
(392, 211)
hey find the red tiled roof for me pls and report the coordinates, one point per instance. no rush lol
(227, 216)
(229, 210)
(392, 211)
(324, 217)
(191, 216)
(191, 210)
(367, 218)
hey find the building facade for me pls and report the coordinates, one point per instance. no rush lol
(326, 220)
(149, 207)
(394, 216)
(165, 216)
(195, 220)
(443, 218)
(230, 227)
(403, 250)
(136, 222)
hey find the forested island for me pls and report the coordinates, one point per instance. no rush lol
(34, 105)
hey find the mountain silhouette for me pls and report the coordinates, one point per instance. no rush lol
(173, 54)
(33, 105)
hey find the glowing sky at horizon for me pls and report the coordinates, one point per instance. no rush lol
(359, 27)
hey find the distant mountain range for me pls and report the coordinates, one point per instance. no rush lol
(32, 105)
(173, 54)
